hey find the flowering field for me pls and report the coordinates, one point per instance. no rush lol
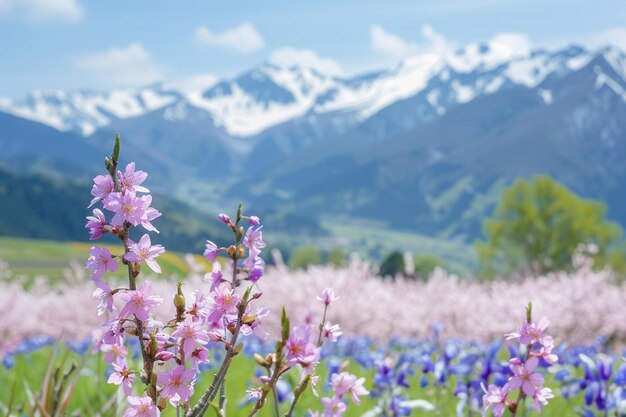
(246, 339)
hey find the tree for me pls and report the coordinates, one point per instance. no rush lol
(304, 256)
(393, 264)
(336, 257)
(426, 263)
(537, 226)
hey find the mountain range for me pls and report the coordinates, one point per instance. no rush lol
(426, 146)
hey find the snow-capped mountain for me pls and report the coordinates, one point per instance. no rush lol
(271, 95)
(427, 145)
(84, 111)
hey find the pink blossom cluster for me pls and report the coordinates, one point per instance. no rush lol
(467, 309)
(301, 347)
(174, 345)
(343, 385)
(526, 381)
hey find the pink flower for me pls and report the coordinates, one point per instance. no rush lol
(96, 224)
(348, 384)
(328, 296)
(176, 384)
(541, 397)
(545, 351)
(333, 407)
(524, 376)
(199, 355)
(253, 324)
(141, 407)
(105, 295)
(149, 214)
(224, 218)
(144, 251)
(224, 301)
(299, 348)
(114, 353)
(103, 185)
(495, 397)
(122, 376)
(100, 261)
(190, 332)
(256, 265)
(199, 310)
(127, 208)
(253, 240)
(215, 276)
(211, 251)
(530, 333)
(139, 302)
(131, 180)
(254, 220)
(331, 332)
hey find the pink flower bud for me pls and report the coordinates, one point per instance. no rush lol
(328, 296)
(163, 356)
(224, 218)
(254, 220)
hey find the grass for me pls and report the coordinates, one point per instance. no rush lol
(93, 396)
(35, 257)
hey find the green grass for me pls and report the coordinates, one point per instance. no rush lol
(92, 394)
(35, 257)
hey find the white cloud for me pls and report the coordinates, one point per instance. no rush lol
(126, 66)
(289, 56)
(390, 44)
(243, 38)
(43, 10)
(396, 47)
(615, 36)
(518, 43)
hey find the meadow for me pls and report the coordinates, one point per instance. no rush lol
(422, 345)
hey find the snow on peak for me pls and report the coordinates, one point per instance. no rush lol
(500, 49)
(295, 84)
(305, 58)
(84, 111)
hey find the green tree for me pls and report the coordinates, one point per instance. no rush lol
(393, 264)
(537, 226)
(336, 257)
(426, 263)
(304, 256)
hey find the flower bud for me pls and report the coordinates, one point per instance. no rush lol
(224, 218)
(257, 295)
(248, 318)
(164, 356)
(231, 251)
(179, 302)
(254, 220)
(231, 327)
(261, 360)
(131, 330)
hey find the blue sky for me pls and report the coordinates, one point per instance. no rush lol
(67, 44)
